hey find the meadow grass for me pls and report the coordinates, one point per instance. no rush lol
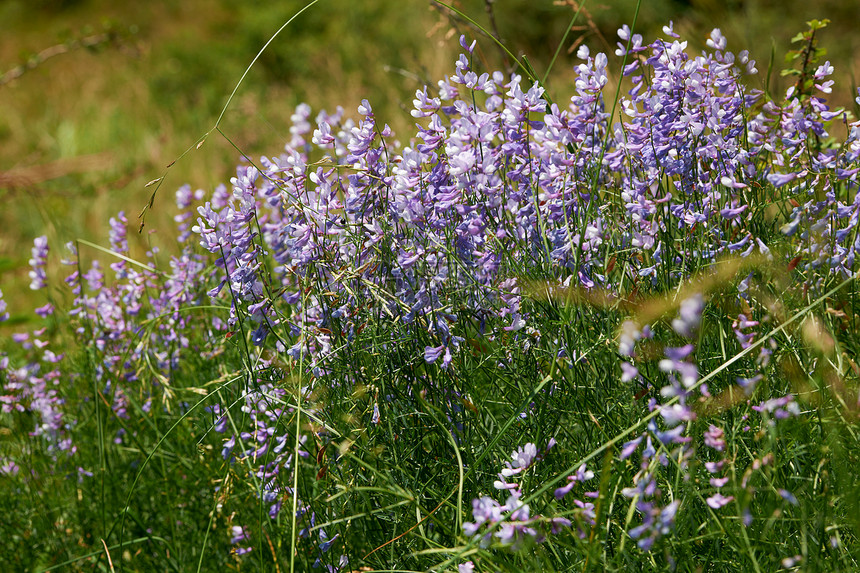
(613, 332)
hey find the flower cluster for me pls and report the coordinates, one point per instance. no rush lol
(433, 247)
(511, 523)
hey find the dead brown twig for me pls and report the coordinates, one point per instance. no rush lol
(38, 59)
(589, 25)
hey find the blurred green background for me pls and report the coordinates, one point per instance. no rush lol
(97, 97)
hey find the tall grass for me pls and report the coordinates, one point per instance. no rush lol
(608, 329)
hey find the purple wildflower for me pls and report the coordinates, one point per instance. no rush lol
(718, 500)
(4, 315)
(38, 277)
(715, 438)
(689, 315)
(523, 458)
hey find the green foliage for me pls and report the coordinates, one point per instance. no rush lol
(395, 450)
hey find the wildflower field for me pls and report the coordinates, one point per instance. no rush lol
(613, 329)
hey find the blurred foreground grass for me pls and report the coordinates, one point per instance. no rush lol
(81, 133)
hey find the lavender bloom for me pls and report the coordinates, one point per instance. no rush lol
(676, 414)
(740, 325)
(43, 311)
(238, 534)
(510, 531)
(657, 522)
(484, 510)
(749, 384)
(689, 316)
(325, 542)
(676, 363)
(787, 496)
(9, 468)
(629, 447)
(628, 372)
(672, 435)
(783, 407)
(630, 333)
(3, 314)
(582, 474)
(717, 41)
(425, 106)
(715, 438)
(718, 500)
(513, 519)
(38, 277)
(32, 388)
(184, 199)
(523, 458)
(118, 228)
(433, 353)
